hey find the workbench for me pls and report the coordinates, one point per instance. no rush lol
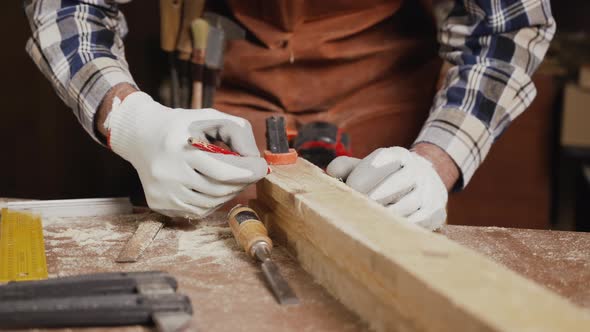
(227, 288)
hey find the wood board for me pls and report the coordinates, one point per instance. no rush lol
(397, 276)
(146, 231)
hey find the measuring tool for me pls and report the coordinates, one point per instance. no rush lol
(22, 250)
(252, 235)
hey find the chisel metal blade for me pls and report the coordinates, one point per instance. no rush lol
(276, 137)
(278, 284)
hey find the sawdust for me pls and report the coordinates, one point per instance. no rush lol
(85, 237)
(207, 242)
(225, 285)
(103, 237)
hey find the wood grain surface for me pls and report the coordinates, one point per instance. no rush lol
(396, 275)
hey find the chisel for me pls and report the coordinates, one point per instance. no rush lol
(170, 16)
(200, 31)
(277, 145)
(252, 236)
(214, 63)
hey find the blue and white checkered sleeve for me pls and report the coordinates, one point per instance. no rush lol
(78, 46)
(494, 47)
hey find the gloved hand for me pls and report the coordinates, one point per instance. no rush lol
(401, 180)
(178, 179)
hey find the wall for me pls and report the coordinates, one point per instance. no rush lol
(45, 152)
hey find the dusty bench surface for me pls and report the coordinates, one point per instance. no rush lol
(558, 260)
(227, 289)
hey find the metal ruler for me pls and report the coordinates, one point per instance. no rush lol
(22, 249)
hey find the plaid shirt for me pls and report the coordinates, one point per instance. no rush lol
(494, 46)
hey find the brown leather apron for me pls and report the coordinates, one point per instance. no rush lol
(368, 66)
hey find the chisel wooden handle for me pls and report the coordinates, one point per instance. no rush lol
(247, 228)
(170, 16)
(192, 10)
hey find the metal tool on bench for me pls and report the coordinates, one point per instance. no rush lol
(103, 299)
(277, 145)
(221, 30)
(252, 235)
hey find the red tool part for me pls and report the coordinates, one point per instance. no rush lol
(208, 147)
(321, 142)
(212, 148)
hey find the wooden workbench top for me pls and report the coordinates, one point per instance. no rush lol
(227, 289)
(557, 260)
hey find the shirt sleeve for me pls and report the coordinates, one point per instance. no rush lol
(78, 46)
(493, 47)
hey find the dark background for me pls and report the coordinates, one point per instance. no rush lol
(47, 155)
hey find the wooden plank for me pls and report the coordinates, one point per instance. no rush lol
(395, 275)
(146, 231)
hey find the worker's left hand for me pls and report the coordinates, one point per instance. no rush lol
(403, 181)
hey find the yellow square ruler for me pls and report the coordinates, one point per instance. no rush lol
(22, 249)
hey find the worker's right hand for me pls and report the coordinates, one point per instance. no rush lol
(178, 179)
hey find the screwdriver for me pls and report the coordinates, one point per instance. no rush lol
(252, 236)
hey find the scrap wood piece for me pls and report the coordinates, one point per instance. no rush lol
(82, 207)
(395, 275)
(148, 228)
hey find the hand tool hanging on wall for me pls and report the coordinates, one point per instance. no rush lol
(213, 63)
(252, 236)
(192, 10)
(170, 17)
(200, 32)
(102, 299)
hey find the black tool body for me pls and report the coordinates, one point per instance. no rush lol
(104, 299)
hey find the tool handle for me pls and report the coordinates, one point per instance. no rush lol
(197, 96)
(111, 310)
(247, 228)
(192, 10)
(84, 285)
(170, 16)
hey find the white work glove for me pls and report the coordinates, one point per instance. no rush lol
(178, 179)
(401, 180)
